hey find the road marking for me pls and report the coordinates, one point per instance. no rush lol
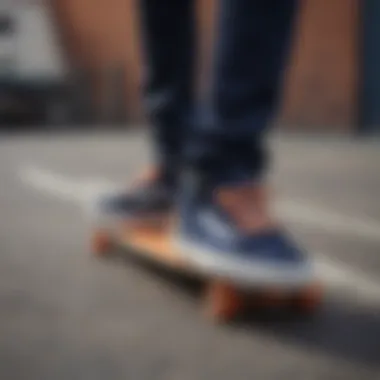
(334, 274)
(342, 278)
(78, 190)
(306, 213)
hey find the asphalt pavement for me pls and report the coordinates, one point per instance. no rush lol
(66, 315)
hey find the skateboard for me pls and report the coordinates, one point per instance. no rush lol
(224, 299)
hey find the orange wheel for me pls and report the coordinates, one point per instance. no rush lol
(223, 302)
(101, 243)
(308, 300)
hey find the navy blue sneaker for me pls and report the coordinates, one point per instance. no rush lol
(151, 198)
(211, 238)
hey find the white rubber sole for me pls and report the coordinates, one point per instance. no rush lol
(246, 273)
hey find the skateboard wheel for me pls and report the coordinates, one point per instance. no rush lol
(223, 302)
(308, 300)
(101, 243)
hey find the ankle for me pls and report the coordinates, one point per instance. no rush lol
(155, 175)
(247, 205)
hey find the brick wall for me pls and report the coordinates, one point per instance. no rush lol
(320, 86)
(99, 36)
(322, 82)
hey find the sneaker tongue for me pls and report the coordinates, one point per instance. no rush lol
(154, 177)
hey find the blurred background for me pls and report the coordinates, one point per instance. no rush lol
(74, 65)
(73, 62)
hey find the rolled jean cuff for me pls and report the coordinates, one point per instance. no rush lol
(224, 163)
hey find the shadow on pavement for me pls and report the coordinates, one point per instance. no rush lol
(338, 330)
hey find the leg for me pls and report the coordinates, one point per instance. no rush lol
(168, 41)
(168, 38)
(224, 226)
(251, 51)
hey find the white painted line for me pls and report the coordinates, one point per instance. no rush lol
(352, 282)
(84, 190)
(63, 187)
(305, 213)
(335, 275)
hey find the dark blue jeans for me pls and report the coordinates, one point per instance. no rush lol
(225, 139)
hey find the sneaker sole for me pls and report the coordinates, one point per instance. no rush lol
(246, 273)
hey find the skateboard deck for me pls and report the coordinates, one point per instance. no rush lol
(224, 299)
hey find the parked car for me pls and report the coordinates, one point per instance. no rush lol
(34, 85)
